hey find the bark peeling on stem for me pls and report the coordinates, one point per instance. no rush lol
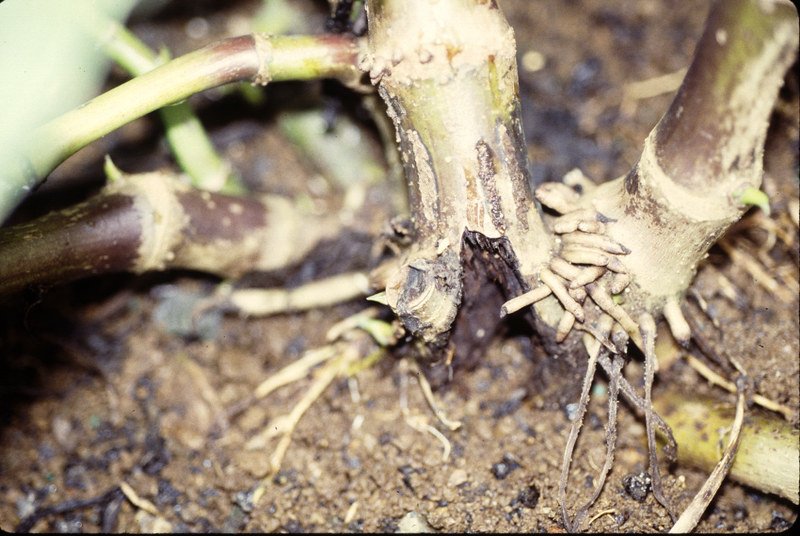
(452, 93)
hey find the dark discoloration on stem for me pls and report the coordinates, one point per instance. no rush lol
(515, 153)
(716, 125)
(487, 173)
(98, 236)
(155, 222)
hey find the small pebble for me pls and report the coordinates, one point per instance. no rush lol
(637, 485)
(413, 523)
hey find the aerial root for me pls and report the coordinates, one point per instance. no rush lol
(577, 294)
(523, 300)
(619, 282)
(620, 338)
(614, 377)
(560, 291)
(564, 326)
(586, 276)
(558, 196)
(575, 178)
(647, 327)
(603, 299)
(594, 348)
(582, 255)
(584, 219)
(596, 241)
(678, 325)
(630, 394)
(564, 269)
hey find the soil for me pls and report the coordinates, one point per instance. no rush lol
(107, 384)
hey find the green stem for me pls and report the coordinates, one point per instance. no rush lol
(251, 57)
(185, 134)
(767, 456)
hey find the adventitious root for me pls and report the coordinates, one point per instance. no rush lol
(589, 264)
(357, 343)
(594, 347)
(419, 422)
(325, 292)
(648, 329)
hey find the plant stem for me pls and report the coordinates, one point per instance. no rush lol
(714, 130)
(453, 98)
(682, 194)
(251, 57)
(154, 221)
(185, 134)
(767, 456)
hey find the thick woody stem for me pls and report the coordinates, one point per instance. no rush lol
(155, 222)
(713, 133)
(683, 193)
(250, 57)
(447, 71)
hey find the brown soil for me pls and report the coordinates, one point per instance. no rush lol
(98, 389)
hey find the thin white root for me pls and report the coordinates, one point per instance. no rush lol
(647, 327)
(560, 291)
(350, 323)
(564, 326)
(755, 269)
(678, 325)
(336, 367)
(523, 300)
(340, 288)
(558, 196)
(137, 501)
(691, 515)
(427, 392)
(729, 386)
(294, 371)
(418, 422)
